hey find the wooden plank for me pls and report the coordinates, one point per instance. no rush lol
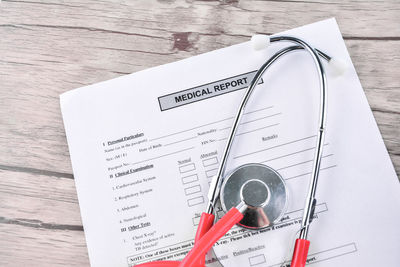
(35, 246)
(39, 201)
(218, 18)
(382, 88)
(40, 222)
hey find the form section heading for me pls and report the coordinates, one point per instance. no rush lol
(205, 91)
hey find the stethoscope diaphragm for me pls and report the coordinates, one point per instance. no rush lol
(261, 188)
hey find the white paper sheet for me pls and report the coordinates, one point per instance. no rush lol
(143, 154)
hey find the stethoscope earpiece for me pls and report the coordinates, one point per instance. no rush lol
(337, 67)
(260, 41)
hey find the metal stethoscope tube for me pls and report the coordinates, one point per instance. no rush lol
(310, 200)
(208, 232)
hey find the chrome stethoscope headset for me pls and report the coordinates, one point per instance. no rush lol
(254, 195)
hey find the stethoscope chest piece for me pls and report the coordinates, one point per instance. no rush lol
(263, 191)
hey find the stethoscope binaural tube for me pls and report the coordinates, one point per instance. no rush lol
(302, 244)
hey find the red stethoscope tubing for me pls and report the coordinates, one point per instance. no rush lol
(299, 258)
(205, 224)
(207, 234)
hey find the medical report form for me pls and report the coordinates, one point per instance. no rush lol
(145, 146)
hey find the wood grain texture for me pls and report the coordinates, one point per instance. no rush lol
(45, 201)
(29, 246)
(49, 47)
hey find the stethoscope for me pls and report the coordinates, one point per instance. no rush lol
(253, 195)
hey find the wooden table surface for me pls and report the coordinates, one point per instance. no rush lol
(49, 47)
